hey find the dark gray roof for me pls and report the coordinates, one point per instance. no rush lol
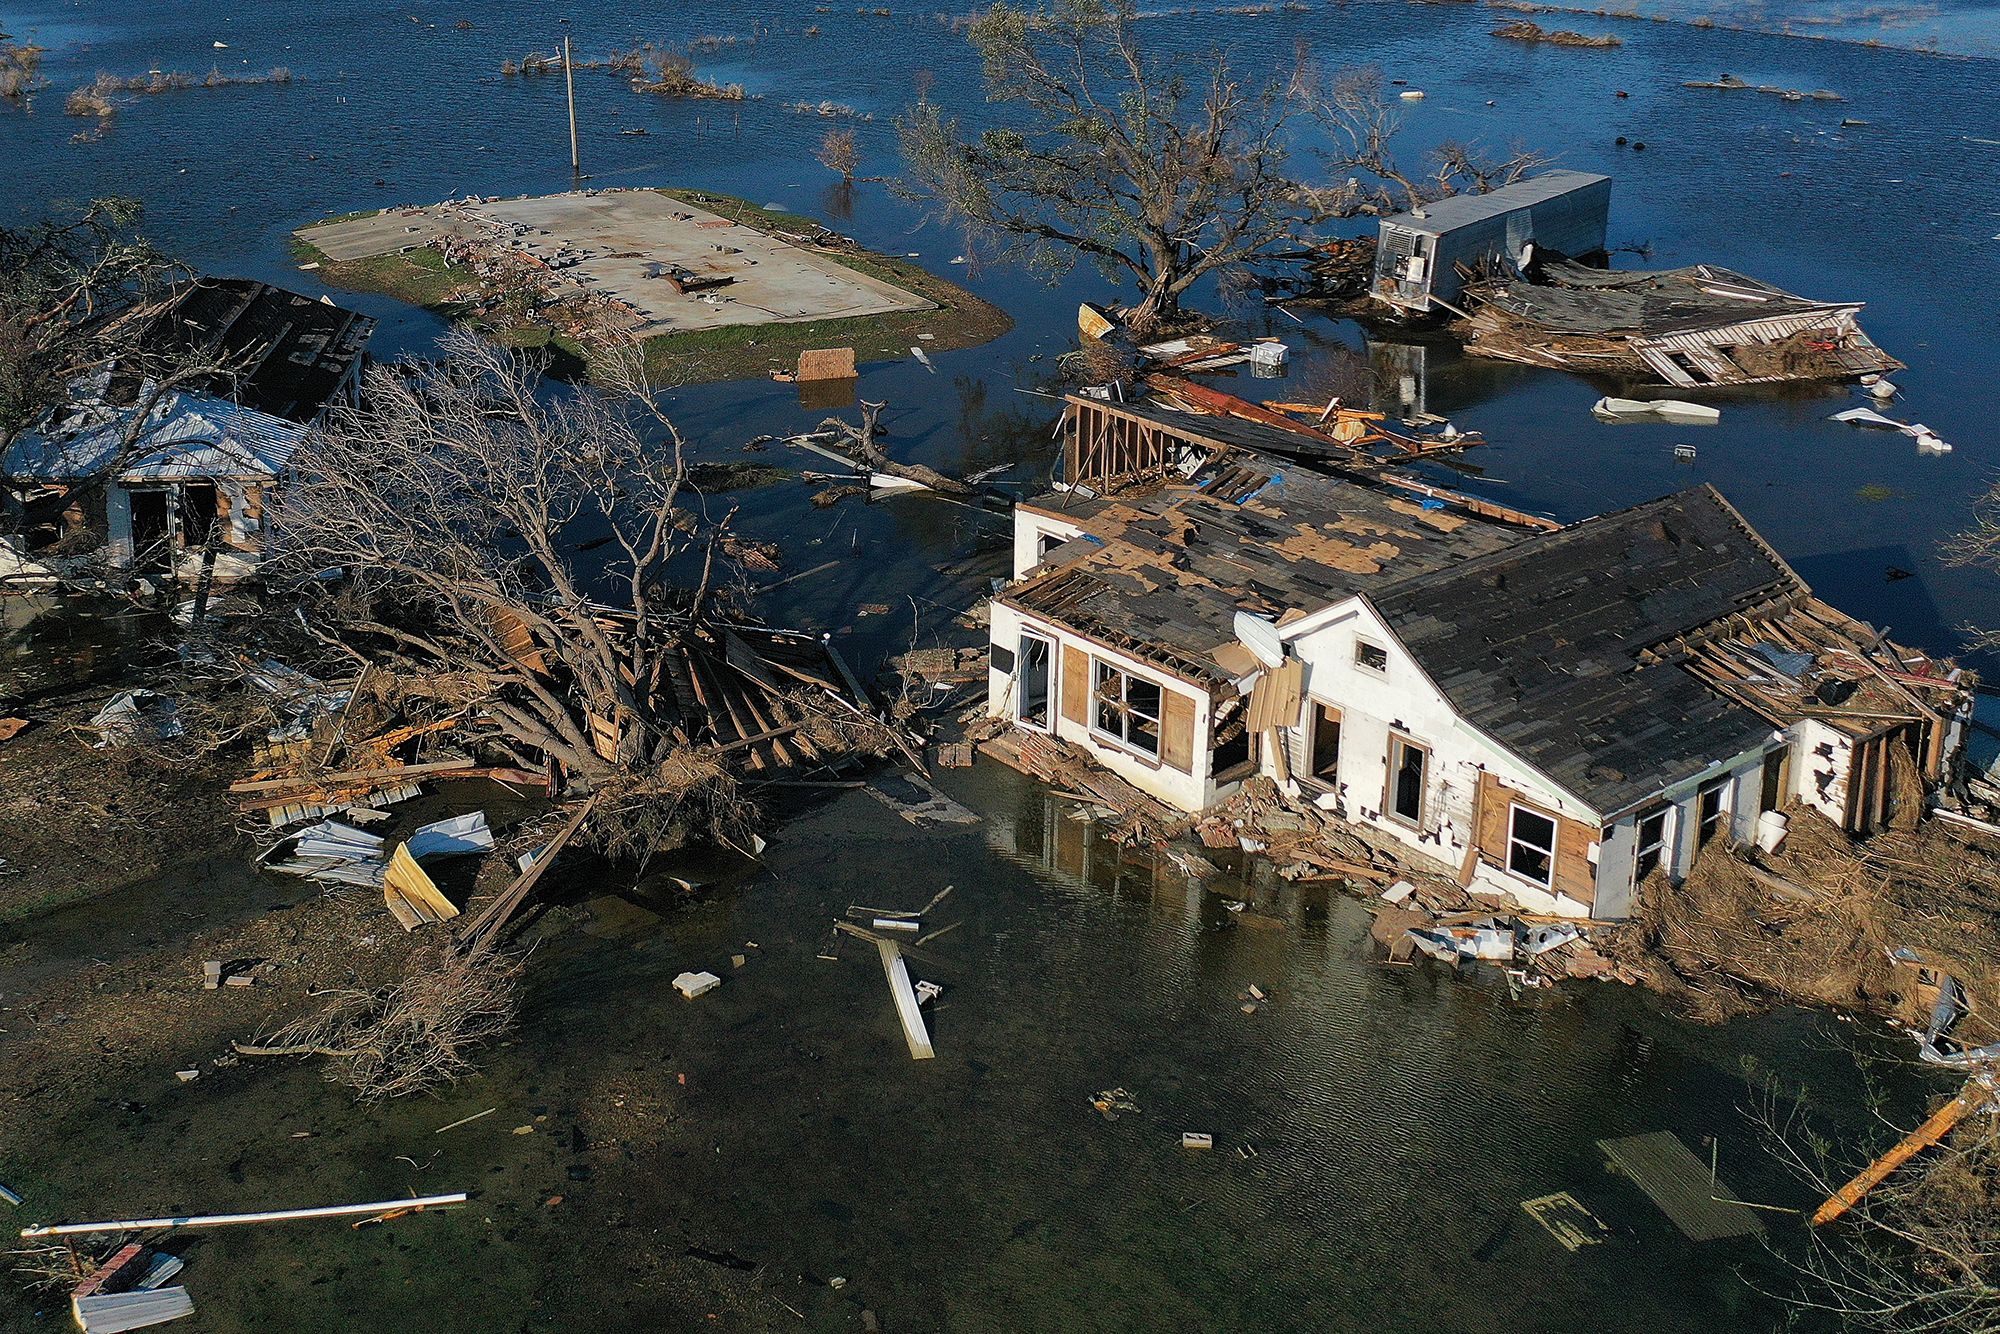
(1162, 572)
(1540, 645)
(292, 352)
(1575, 299)
(1456, 211)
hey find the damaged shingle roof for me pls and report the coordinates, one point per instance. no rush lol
(1163, 571)
(290, 353)
(1540, 645)
(1577, 300)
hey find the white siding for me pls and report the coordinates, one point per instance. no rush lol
(1185, 791)
(1401, 700)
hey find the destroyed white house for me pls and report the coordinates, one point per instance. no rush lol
(1550, 714)
(170, 479)
(1425, 257)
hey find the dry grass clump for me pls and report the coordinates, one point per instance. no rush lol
(1522, 30)
(413, 1036)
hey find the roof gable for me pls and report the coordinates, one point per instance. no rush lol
(1541, 646)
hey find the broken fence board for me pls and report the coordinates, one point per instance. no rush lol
(908, 1010)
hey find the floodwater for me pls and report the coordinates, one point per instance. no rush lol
(1395, 1118)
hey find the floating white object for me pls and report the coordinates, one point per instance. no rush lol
(1412, 94)
(692, 985)
(1194, 1139)
(1927, 440)
(908, 1008)
(1666, 409)
(910, 924)
(1882, 389)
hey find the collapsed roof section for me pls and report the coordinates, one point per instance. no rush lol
(1687, 327)
(1164, 564)
(1543, 646)
(184, 435)
(288, 354)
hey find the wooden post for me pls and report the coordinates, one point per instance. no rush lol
(1969, 1099)
(569, 87)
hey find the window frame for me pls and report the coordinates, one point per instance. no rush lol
(1398, 743)
(1775, 773)
(1514, 812)
(1370, 646)
(1051, 669)
(1318, 712)
(1659, 850)
(1723, 815)
(1125, 710)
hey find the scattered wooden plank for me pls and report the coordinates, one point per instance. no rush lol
(907, 1009)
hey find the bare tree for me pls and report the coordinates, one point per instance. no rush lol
(838, 154)
(1363, 116)
(1158, 172)
(456, 499)
(1920, 1254)
(74, 294)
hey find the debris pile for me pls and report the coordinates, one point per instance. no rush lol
(1887, 925)
(1134, 819)
(1525, 30)
(1689, 327)
(1730, 83)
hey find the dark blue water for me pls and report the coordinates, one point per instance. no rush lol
(1400, 1116)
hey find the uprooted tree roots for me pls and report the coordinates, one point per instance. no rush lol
(412, 1036)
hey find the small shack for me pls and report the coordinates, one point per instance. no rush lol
(195, 475)
(1429, 254)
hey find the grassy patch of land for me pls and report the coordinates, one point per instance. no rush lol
(958, 319)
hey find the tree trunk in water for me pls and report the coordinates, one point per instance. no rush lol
(865, 449)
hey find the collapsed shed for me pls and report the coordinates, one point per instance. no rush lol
(188, 481)
(1685, 328)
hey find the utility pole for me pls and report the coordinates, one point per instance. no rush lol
(569, 86)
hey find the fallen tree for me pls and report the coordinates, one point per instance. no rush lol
(863, 443)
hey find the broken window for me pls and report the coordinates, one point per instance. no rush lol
(1045, 542)
(200, 510)
(1372, 656)
(1652, 843)
(1777, 767)
(1037, 653)
(1325, 743)
(1407, 763)
(1531, 845)
(1711, 811)
(1128, 709)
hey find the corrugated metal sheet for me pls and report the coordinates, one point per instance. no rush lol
(188, 435)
